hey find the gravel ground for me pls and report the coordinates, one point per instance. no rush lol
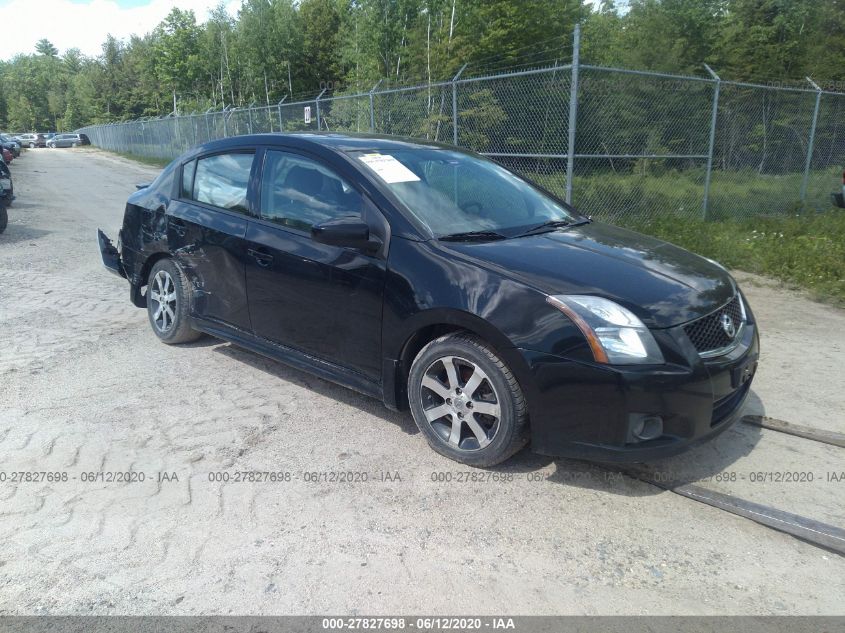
(86, 388)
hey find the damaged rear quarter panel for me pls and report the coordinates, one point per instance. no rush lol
(144, 232)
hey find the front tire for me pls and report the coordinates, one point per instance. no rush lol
(32, 146)
(4, 218)
(466, 402)
(168, 303)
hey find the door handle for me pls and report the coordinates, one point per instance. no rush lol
(261, 257)
(178, 226)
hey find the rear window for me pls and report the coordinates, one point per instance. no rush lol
(222, 181)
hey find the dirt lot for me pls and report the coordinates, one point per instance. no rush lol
(85, 388)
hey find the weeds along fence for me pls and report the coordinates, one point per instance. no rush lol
(622, 145)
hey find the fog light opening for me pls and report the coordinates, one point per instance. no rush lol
(646, 427)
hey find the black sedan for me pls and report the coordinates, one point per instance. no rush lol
(436, 280)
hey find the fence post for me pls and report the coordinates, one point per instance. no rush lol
(714, 114)
(175, 141)
(455, 105)
(372, 108)
(573, 112)
(317, 102)
(207, 126)
(279, 106)
(811, 142)
(249, 114)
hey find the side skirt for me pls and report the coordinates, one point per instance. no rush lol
(291, 357)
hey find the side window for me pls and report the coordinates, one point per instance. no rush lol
(222, 180)
(299, 192)
(188, 179)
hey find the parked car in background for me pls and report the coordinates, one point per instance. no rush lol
(435, 279)
(7, 155)
(7, 193)
(33, 140)
(66, 140)
(12, 145)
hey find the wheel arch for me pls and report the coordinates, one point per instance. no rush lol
(139, 299)
(427, 326)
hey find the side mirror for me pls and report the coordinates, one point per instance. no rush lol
(349, 232)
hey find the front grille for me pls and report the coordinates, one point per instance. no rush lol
(708, 334)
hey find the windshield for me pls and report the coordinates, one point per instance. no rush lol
(454, 193)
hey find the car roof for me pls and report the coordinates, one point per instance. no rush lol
(330, 140)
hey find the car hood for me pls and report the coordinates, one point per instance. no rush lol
(662, 284)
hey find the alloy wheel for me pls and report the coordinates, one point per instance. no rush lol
(163, 296)
(460, 403)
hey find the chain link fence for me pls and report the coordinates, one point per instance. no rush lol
(622, 145)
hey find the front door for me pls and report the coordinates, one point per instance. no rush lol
(323, 300)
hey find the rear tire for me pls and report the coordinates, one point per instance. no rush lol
(466, 402)
(168, 303)
(32, 146)
(4, 218)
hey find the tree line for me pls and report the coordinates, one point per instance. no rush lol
(278, 49)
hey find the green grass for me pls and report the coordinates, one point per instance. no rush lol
(653, 191)
(806, 250)
(153, 162)
(774, 235)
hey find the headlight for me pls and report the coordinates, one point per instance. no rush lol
(616, 336)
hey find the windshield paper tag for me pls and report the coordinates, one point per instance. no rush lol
(388, 168)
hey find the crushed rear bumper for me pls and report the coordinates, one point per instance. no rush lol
(110, 255)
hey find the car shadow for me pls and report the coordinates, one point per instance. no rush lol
(702, 462)
(319, 386)
(15, 233)
(21, 205)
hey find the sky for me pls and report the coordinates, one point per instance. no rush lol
(84, 24)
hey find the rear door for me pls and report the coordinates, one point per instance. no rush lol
(206, 227)
(320, 299)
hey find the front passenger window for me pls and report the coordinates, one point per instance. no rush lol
(299, 192)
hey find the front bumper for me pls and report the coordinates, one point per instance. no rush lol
(585, 410)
